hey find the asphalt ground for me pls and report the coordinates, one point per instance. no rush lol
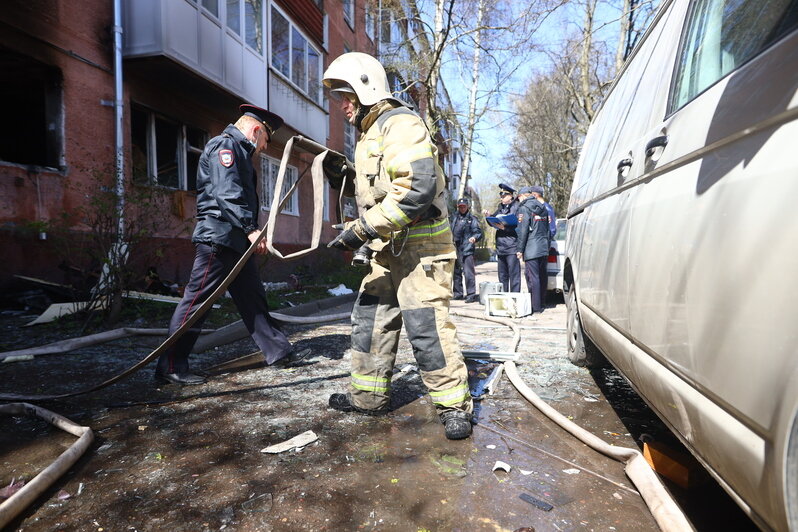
(171, 458)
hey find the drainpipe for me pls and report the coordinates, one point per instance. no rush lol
(118, 117)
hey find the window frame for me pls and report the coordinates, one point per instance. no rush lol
(683, 43)
(349, 14)
(268, 181)
(289, 78)
(183, 145)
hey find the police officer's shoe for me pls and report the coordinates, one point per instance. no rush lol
(183, 379)
(457, 298)
(343, 403)
(473, 298)
(292, 359)
(456, 424)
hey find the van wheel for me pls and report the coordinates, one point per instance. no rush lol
(581, 351)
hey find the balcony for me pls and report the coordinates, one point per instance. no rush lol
(196, 38)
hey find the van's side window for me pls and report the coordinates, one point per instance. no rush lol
(724, 34)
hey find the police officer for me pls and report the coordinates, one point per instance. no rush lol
(506, 241)
(534, 237)
(227, 222)
(466, 232)
(400, 189)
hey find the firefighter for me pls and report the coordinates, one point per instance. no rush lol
(466, 232)
(399, 188)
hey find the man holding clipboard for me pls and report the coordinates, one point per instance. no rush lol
(504, 219)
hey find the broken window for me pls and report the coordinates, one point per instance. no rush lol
(164, 151)
(31, 118)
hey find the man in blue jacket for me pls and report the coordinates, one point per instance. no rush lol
(533, 243)
(227, 223)
(466, 232)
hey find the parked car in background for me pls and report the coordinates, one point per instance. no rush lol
(686, 177)
(556, 253)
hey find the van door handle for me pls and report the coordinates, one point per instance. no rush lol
(624, 163)
(656, 142)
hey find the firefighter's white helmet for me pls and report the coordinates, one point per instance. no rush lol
(361, 73)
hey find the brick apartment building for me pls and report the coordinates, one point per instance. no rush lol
(187, 65)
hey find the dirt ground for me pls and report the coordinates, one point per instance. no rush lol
(171, 458)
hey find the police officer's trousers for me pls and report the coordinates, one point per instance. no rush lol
(211, 266)
(464, 267)
(413, 288)
(509, 272)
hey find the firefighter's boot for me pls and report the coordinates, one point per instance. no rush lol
(343, 403)
(456, 424)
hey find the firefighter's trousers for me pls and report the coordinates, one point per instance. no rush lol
(413, 288)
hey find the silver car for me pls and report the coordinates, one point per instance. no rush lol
(685, 181)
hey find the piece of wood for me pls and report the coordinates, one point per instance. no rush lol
(680, 468)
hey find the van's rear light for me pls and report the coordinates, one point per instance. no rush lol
(553, 255)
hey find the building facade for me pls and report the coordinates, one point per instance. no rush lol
(187, 65)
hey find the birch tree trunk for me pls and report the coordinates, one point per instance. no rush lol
(472, 102)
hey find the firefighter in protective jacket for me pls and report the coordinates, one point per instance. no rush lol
(399, 188)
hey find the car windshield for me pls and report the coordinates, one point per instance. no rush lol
(562, 227)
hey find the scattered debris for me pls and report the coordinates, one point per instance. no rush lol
(296, 442)
(503, 466)
(261, 503)
(12, 488)
(571, 471)
(543, 505)
(339, 290)
(62, 495)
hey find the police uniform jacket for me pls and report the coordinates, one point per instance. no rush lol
(465, 226)
(227, 198)
(533, 229)
(506, 239)
(399, 185)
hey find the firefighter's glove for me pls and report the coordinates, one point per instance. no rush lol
(354, 235)
(335, 169)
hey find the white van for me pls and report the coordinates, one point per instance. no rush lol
(681, 262)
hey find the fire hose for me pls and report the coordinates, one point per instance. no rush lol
(666, 512)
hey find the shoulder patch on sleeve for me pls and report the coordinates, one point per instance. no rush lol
(520, 216)
(226, 158)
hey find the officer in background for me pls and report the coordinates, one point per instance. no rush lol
(467, 232)
(506, 242)
(227, 223)
(534, 237)
(399, 189)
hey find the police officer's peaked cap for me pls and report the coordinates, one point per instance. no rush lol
(271, 121)
(463, 201)
(507, 188)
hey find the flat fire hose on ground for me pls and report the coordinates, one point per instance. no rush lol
(666, 512)
(17, 502)
(320, 153)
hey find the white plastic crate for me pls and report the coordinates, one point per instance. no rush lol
(509, 304)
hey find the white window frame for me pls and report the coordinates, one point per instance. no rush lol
(369, 20)
(268, 170)
(318, 97)
(349, 12)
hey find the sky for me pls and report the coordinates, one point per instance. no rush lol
(488, 169)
